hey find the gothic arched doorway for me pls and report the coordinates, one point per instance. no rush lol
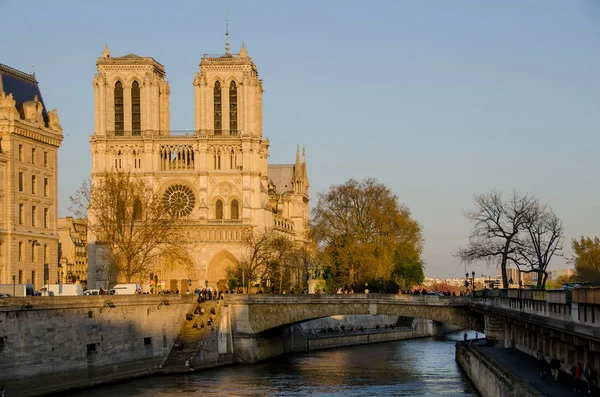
(176, 271)
(216, 273)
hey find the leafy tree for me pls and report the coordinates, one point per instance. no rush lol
(363, 234)
(496, 226)
(128, 219)
(587, 259)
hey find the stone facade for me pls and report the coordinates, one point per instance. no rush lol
(29, 140)
(220, 168)
(73, 263)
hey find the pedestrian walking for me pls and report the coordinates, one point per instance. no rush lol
(465, 336)
(555, 368)
(589, 376)
(577, 373)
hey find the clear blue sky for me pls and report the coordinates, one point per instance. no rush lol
(437, 99)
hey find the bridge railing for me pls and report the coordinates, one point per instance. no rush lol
(580, 305)
(428, 300)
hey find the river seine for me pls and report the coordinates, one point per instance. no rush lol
(420, 367)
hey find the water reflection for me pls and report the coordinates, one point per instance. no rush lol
(422, 367)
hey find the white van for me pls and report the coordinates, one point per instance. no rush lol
(62, 289)
(126, 289)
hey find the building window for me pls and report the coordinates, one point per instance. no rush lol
(46, 159)
(33, 215)
(21, 181)
(235, 210)
(219, 210)
(34, 278)
(20, 276)
(46, 218)
(45, 187)
(20, 152)
(21, 213)
(218, 109)
(233, 126)
(33, 184)
(33, 252)
(136, 119)
(119, 119)
(45, 253)
(33, 156)
(20, 251)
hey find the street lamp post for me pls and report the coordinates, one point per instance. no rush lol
(473, 280)
(14, 285)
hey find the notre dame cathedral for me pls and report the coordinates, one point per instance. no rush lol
(216, 175)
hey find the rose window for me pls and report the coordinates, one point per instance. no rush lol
(179, 200)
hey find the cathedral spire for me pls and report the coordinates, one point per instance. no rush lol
(106, 52)
(227, 33)
(243, 51)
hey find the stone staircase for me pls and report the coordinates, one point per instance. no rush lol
(193, 339)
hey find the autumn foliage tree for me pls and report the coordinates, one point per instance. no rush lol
(363, 233)
(128, 219)
(586, 259)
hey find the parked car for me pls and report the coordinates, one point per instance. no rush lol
(91, 292)
(5, 295)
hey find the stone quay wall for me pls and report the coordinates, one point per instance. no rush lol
(489, 377)
(420, 328)
(50, 344)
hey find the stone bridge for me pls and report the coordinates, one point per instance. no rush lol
(259, 322)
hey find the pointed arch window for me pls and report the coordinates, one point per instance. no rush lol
(235, 209)
(119, 119)
(136, 115)
(219, 210)
(233, 124)
(218, 109)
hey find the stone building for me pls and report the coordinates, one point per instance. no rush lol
(216, 175)
(29, 140)
(72, 250)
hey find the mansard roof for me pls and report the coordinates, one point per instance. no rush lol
(281, 176)
(23, 87)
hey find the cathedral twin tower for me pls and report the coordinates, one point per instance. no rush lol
(216, 177)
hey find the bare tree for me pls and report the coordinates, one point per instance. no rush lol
(543, 238)
(496, 226)
(128, 219)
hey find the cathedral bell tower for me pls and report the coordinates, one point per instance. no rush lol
(228, 95)
(131, 95)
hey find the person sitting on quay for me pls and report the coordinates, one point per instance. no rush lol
(201, 324)
(195, 326)
(189, 316)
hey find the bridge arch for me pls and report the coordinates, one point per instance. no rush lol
(255, 315)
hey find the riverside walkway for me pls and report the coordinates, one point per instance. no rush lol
(525, 367)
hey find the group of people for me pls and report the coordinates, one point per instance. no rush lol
(584, 378)
(199, 310)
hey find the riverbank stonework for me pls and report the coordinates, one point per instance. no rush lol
(490, 378)
(49, 344)
(54, 344)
